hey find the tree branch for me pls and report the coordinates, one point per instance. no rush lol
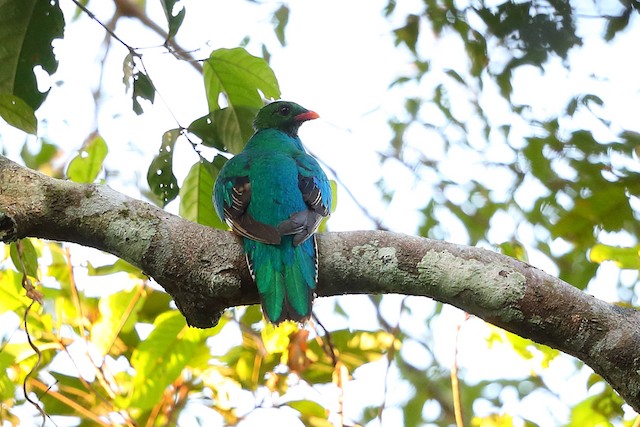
(204, 270)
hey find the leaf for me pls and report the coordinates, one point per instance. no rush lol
(74, 390)
(118, 313)
(240, 77)
(621, 256)
(24, 254)
(142, 88)
(86, 166)
(127, 70)
(515, 249)
(227, 129)
(276, 338)
(196, 197)
(493, 420)
(355, 348)
(616, 24)
(539, 355)
(7, 388)
(596, 411)
(27, 28)
(59, 267)
(607, 208)
(249, 366)
(43, 157)
(281, 19)
(160, 177)
(174, 20)
(12, 296)
(17, 113)
(309, 408)
(160, 359)
(409, 33)
(120, 266)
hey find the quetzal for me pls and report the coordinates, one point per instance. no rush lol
(275, 195)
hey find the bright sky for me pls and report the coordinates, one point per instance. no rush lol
(340, 65)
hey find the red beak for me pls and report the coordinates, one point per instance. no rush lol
(309, 115)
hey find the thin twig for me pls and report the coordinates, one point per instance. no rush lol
(455, 383)
(390, 356)
(377, 222)
(34, 368)
(326, 342)
(106, 28)
(81, 410)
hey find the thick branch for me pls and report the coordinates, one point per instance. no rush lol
(204, 270)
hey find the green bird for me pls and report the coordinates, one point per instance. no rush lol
(275, 195)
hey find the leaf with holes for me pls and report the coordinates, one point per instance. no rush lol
(162, 181)
(142, 88)
(227, 129)
(174, 20)
(27, 28)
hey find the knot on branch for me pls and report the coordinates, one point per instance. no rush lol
(8, 229)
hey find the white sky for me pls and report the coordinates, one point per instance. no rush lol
(339, 64)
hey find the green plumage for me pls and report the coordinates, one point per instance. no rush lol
(274, 195)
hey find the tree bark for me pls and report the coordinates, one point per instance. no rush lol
(204, 270)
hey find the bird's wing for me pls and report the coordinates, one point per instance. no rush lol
(231, 196)
(316, 193)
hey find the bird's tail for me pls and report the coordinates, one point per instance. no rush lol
(285, 276)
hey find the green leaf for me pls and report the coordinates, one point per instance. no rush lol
(7, 387)
(160, 359)
(240, 77)
(622, 257)
(196, 196)
(71, 387)
(86, 166)
(120, 266)
(142, 88)
(227, 129)
(355, 348)
(34, 161)
(539, 355)
(309, 408)
(27, 28)
(118, 313)
(409, 33)
(12, 296)
(174, 20)
(160, 177)
(598, 410)
(607, 208)
(24, 254)
(616, 24)
(155, 303)
(515, 249)
(17, 113)
(281, 19)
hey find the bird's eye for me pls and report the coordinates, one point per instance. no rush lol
(284, 110)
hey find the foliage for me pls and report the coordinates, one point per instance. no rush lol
(127, 357)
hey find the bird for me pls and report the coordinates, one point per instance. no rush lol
(275, 195)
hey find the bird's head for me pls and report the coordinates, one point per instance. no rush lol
(283, 115)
